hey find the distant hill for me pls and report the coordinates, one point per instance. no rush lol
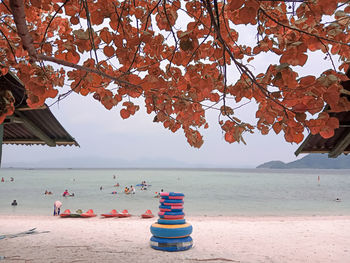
(312, 161)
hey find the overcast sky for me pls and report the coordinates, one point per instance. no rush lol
(103, 134)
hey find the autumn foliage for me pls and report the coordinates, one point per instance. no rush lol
(184, 58)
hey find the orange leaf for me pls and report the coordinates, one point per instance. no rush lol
(108, 50)
(333, 123)
(298, 138)
(331, 96)
(73, 57)
(327, 132)
(229, 137)
(300, 107)
(236, 4)
(106, 36)
(74, 20)
(277, 127)
(293, 57)
(124, 113)
(247, 15)
(307, 81)
(328, 7)
(4, 71)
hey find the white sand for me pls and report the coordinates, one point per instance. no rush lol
(217, 239)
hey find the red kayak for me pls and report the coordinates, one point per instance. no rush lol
(66, 213)
(147, 214)
(89, 213)
(124, 213)
(113, 213)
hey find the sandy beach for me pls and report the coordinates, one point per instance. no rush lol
(216, 239)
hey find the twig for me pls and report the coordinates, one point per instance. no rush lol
(8, 42)
(299, 30)
(52, 18)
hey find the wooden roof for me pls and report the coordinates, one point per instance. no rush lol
(31, 126)
(340, 142)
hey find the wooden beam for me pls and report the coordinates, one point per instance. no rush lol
(300, 149)
(31, 141)
(12, 120)
(1, 136)
(27, 108)
(35, 129)
(24, 141)
(340, 147)
(315, 151)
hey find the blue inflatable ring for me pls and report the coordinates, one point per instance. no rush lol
(168, 208)
(171, 231)
(171, 213)
(171, 194)
(171, 221)
(173, 201)
(165, 203)
(171, 244)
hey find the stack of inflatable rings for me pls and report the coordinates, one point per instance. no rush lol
(171, 232)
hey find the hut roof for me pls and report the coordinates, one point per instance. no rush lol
(31, 126)
(340, 142)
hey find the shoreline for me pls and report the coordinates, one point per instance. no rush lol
(216, 239)
(197, 217)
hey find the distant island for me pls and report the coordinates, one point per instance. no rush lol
(312, 161)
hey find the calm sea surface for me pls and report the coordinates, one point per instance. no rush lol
(241, 192)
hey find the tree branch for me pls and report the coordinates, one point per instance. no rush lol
(27, 41)
(19, 17)
(90, 70)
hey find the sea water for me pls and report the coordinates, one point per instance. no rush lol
(208, 192)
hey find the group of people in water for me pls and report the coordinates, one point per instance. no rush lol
(130, 190)
(3, 179)
(158, 193)
(66, 193)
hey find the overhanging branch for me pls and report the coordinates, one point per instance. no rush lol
(17, 8)
(90, 70)
(19, 17)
